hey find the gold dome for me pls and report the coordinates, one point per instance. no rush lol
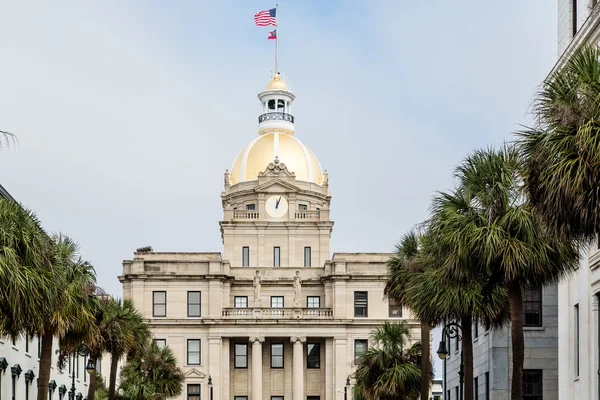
(255, 157)
(277, 84)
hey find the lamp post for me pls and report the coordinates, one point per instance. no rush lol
(210, 385)
(84, 350)
(451, 331)
(346, 388)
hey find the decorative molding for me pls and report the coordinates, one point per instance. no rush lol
(194, 373)
(29, 375)
(52, 386)
(3, 364)
(299, 339)
(16, 370)
(259, 339)
(276, 168)
(62, 390)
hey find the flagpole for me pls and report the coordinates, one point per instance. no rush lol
(276, 40)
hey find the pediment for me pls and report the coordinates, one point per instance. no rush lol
(194, 373)
(276, 186)
(276, 168)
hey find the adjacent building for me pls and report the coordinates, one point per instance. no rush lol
(19, 366)
(275, 316)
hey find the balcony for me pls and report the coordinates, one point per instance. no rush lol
(276, 116)
(245, 214)
(308, 215)
(277, 313)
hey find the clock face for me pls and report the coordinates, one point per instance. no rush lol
(277, 206)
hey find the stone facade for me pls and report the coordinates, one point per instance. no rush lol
(492, 354)
(275, 316)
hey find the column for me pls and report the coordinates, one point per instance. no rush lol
(214, 366)
(257, 364)
(225, 363)
(298, 368)
(341, 365)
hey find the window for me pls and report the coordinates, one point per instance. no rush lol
(456, 392)
(160, 343)
(241, 355)
(39, 342)
(193, 352)
(241, 397)
(487, 386)
(26, 390)
(277, 256)
(14, 387)
(475, 329)
(77, 366)
(251, 207)
(574, 16)
(532, 307)
(276, 301)
(476, 388)
(576, 327)
(70, 366)
(360, 346)
(193, 392)
(159, 304)
(245, 256)
(361, 302)
(448, 394)
(194, 304)
(532, 384)
(302, 207)
(276, 355)
(85, 372)
(26, 344)
(313, 301)
(276, 397)
(394, 309)
(240, 301)
(99, 365)
(313, 355)
(307, 257)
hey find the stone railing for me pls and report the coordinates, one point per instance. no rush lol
(277, 313)
(245, 214)
(310, 215)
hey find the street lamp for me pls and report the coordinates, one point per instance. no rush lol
(84, 350)
(210, 385)
(346, 388)
(451, 331)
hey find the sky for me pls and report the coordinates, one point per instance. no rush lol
(128, 113)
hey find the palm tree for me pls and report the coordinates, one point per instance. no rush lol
(390, 369)
(417, 281)
(8, 138)
(561, 151)
(486, 227)
(70, 304)
(151, 375)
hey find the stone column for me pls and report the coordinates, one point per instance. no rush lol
(257, 364)
(298, 368)
(214, 366)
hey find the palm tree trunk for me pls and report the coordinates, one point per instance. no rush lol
(467, 353)
(425, 359)
(92, 386)
(114, 363)
(515, 299)
(45, 366)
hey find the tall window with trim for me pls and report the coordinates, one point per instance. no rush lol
(487, 386)
(276, 355)
(193, 352)
(394, 309)
(194, 304)
(576, 328)
(360, 346)
(307, 257)
(532, 384)
(361, 304)
(476, 388)
(159, 304)
(240, 354)
(532, 307)
(313, 355)
(245, 256)
(277, 256)
(193, 392)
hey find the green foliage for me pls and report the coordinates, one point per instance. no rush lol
(390, 369)
(101, 392)
(151, 375)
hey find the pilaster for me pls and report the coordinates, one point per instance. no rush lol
(257, 367)
(214, 366)
(298, 367)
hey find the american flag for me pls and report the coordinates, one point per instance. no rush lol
(265, 18)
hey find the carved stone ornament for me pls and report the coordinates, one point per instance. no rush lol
(227, 179)
(259, 339)
(300, 339)
(276, 168)
(325, 178)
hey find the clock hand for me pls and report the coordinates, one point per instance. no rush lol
(277, 202)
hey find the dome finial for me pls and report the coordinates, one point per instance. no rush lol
(277, 83)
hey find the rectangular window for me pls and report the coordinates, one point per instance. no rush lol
(160, 343)
(448, 394)
(26, 344)
(240, 353)
(99, 365)
(159, 304)
(475, 329)
(193, 352)
(313, 301)
(456, 392)
(576, 327)
(194, 304)
(360, 346)
(476, 388)
(26, 390)
(70, 366)
(276, 355)
(276, 397)
(487, 386)
(532, 307)
(307, 257)
(574, 16)
(39, 342)
(361, 304)
(245, 256)
(276, 301)
(240, 301)
(532, 384)
(14, 387)
(240, 397)
(302, 207)
(394, 309)
(313, 355)
(85, 372)
(193, 392)
(77, 367)
(251, 207)
(277, 256)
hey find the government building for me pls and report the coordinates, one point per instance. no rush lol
(275, 316)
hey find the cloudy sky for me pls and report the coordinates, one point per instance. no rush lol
(128, 113)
